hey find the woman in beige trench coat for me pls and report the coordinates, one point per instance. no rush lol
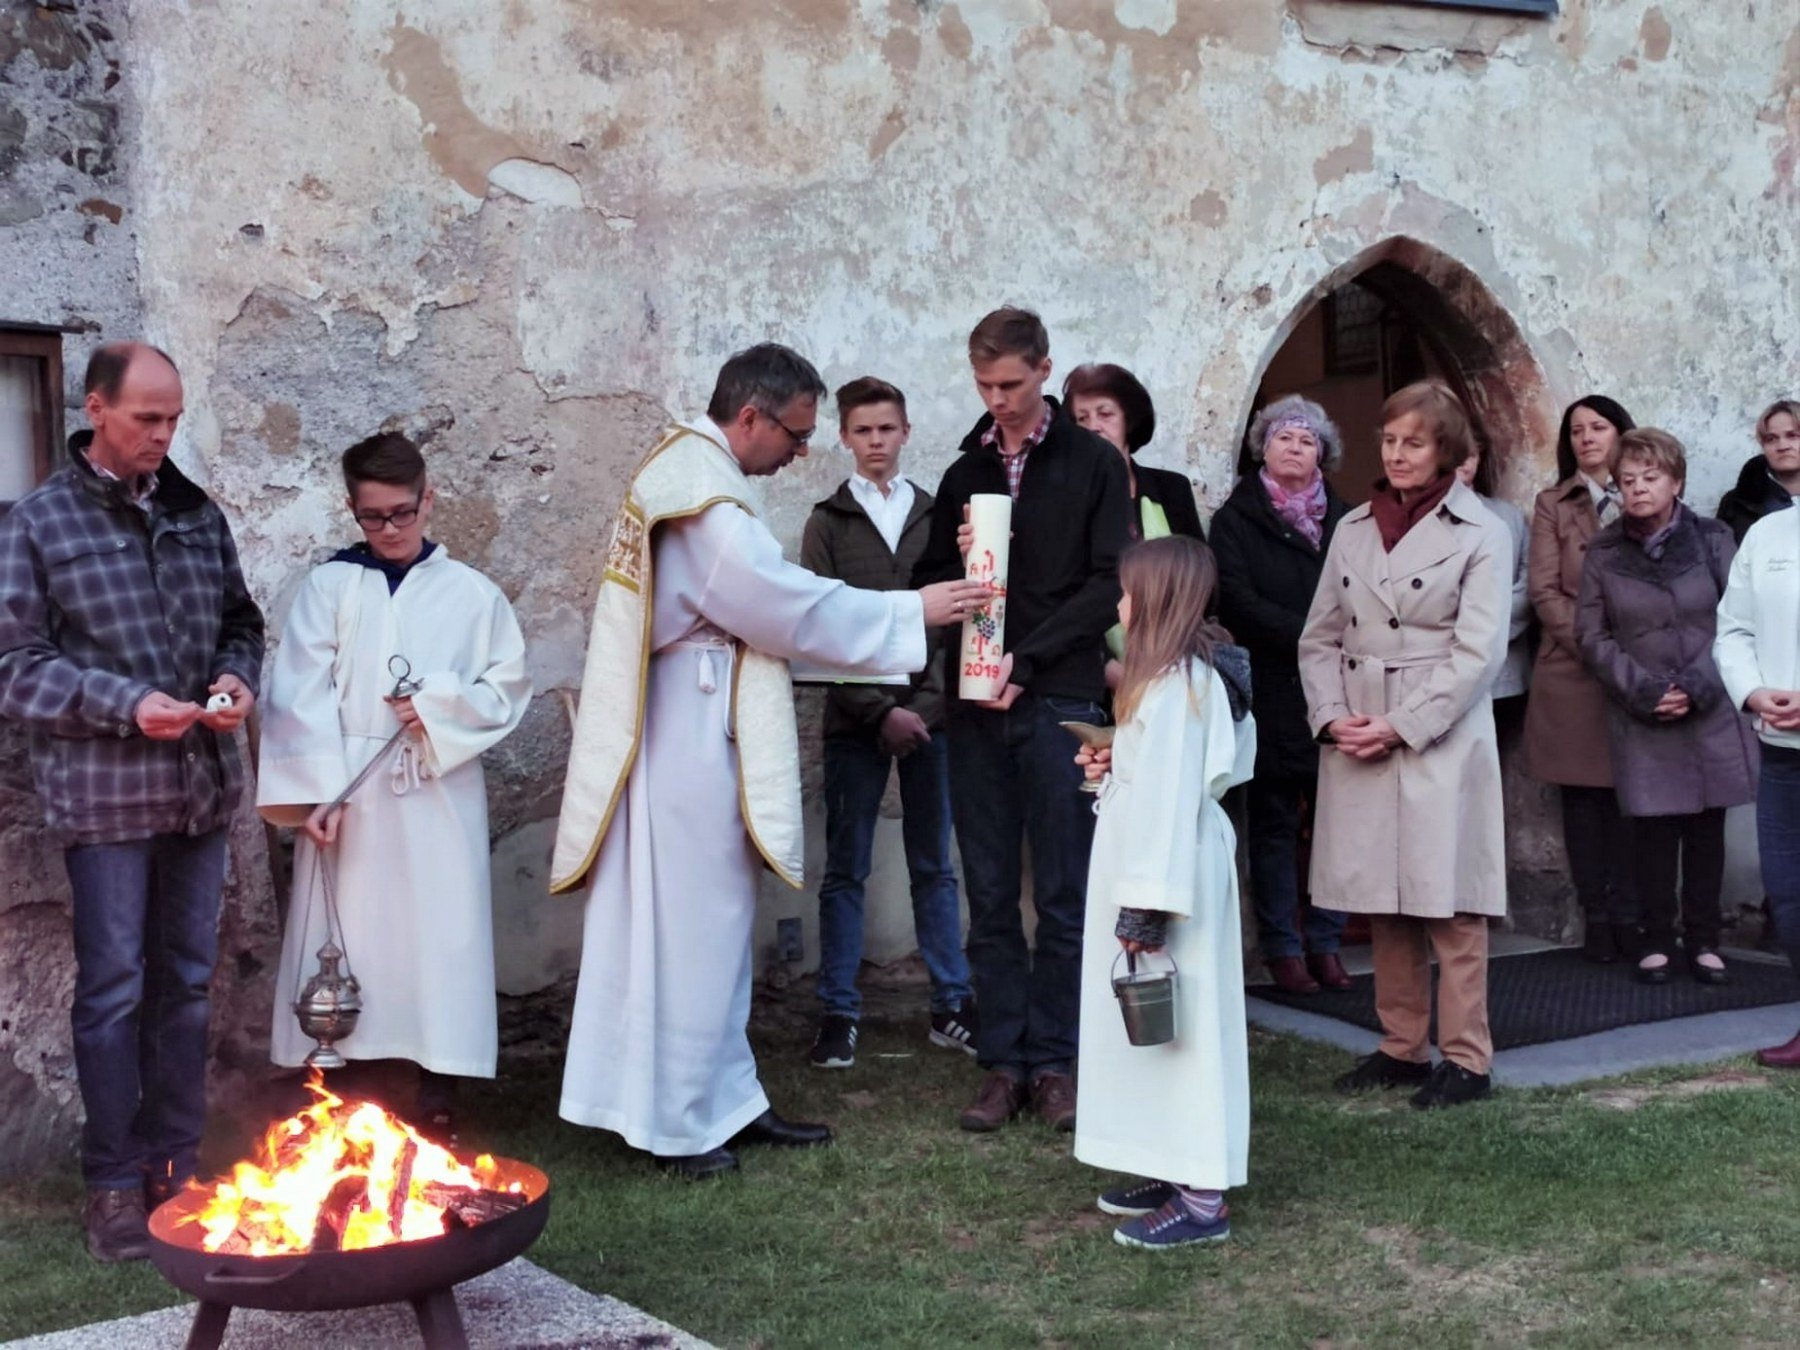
(1565, 718)
(1405, 635)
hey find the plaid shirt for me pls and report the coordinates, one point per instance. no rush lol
(1015, 464)
(102, 601)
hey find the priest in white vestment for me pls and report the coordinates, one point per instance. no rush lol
(684, 771)
(409, 852)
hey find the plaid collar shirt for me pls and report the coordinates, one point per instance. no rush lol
(104, 600)
(141, 489)
(1015, 464)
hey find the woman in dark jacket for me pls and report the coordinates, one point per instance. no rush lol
(1681, 750)
(1770, 479)
(1270, 538)
(1110, 402)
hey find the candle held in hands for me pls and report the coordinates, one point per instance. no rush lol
(984, 631)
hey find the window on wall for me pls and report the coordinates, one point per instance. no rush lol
(31, 375)
(1508, 6)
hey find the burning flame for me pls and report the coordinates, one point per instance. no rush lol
(368, 1176)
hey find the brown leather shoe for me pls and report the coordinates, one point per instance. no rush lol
(1001, 1098)
(1291, 977)
(1328, 970)
(158, 1191)
(115, 1224)
(1781, 1056)
(1053, 1098)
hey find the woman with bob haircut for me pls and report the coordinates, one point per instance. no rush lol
(1400, 648)
(1270, 538)
(1112, 403)
(1565, 717)
(1681, 750)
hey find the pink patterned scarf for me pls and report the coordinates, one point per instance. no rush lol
(1304, 510)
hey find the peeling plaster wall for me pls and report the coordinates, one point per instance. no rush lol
(532, 230)
(529, 232)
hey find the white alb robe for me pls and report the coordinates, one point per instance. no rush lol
(657, 1045)
(412, 869)
(1178, 1112)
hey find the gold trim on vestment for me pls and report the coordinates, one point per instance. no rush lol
(633, 568)
(768, 857)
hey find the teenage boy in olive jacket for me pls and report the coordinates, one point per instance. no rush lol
(870, 533)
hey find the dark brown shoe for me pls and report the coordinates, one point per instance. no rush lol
(1001, 1098)
(159, 1191)
(1053, 1098)
(115, 1223)
(1291, 977)
(1781, 1056)
(1328, 970)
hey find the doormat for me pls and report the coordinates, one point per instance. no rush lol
(1535, 997)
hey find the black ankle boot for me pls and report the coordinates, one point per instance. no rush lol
(1600, 943)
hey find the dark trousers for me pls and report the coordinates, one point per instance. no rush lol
(856, 775)
(146, 926)
(1691, 848)
(1277, 808)
(1013, 778)
(1602, 860)
(1778, 843)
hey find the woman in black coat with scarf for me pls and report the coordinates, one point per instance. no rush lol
(1270, 538)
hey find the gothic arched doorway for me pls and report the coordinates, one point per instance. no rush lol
(1403, 311)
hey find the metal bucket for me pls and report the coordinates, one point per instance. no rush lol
(1146, 1001)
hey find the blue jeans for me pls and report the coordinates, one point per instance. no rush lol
(1013, 779)
(1778, 843)
(146, 937)
(856, 775)
(1275, 808)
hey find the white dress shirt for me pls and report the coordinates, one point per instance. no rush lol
(889, 510)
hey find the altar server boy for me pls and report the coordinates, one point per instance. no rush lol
(408, 853)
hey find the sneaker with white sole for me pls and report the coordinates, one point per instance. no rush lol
(835, 1045)
(956, 1030)
(1136, 1199)
(1172, 1226)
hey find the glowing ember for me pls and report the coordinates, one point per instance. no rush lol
(346, 1176)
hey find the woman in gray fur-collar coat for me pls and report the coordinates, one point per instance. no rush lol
(1682, 752)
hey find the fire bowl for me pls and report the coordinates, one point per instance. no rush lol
(326, 1281)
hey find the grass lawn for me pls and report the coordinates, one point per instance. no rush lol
(1655, 1209)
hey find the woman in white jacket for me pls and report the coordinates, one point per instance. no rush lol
(1757, 650)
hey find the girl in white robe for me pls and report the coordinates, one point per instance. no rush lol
(412, 858)
(1163, 878)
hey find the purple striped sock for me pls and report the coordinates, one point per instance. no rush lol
(1206, 1206)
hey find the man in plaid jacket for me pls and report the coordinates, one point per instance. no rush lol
(130, 650)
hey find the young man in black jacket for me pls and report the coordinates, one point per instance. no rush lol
(1012, 768)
